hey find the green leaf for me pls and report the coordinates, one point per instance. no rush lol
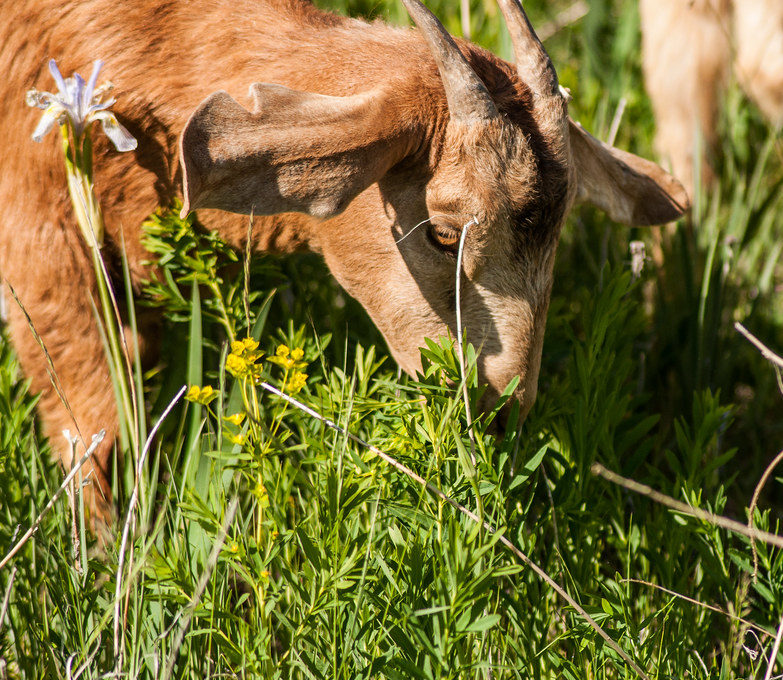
(482, 624)
(530, 466)
(309, 549)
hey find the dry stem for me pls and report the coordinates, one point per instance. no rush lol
(96, 440)
(668, 501)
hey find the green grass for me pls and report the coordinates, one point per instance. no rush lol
(337, 565)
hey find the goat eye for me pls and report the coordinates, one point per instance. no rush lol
(444, 237)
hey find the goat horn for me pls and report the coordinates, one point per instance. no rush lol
(468, 98)
(536, 70)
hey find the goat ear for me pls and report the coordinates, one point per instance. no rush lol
(295, 152)
(630, 189)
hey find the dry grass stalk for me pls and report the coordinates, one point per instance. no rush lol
(96, 440)
(752, 509)
(7, 596)
(460, 350)
(679, 506)
(777, 363)
(766, 352)
(699, 603)
(774, 653)
(49, 363)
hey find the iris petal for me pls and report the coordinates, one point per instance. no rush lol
(77, 109)
(58, 78)
(122, 139)
(96, 69)
(41, 100)
(100, 106)
(48, 119)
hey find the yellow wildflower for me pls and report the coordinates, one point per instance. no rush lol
(235, 418)
(296, 382)
(239, 347)
(287, 358)
(201, 395)
(238, 439)
(236, 365)
(242, 360)
(264, 575)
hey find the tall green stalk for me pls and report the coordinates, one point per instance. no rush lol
(79, 172)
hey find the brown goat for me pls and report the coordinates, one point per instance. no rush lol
(354, 133)
(688, 49)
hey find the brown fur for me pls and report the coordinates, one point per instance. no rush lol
(689, 47)
(361, 165)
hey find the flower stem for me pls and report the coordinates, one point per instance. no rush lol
(78, 167)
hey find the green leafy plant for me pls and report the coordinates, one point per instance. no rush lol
(270, 544)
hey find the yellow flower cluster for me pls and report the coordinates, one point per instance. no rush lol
(235, 419)
(201, 395)
(243, 360)
(288, 358)
(291, 360)
(238, 439)
(296, 382)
